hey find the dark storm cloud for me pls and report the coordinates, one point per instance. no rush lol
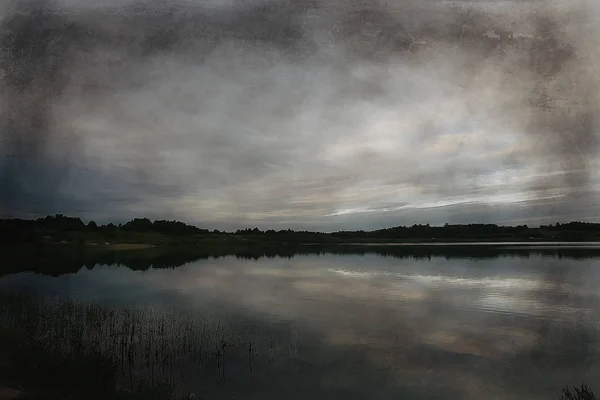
(35, 57)
(48, 48)
(285, 111)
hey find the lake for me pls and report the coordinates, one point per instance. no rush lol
(373, 325)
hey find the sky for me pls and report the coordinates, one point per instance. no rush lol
(306, 114)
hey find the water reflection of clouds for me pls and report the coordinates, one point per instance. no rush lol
(359, 298)
(437, 322)
(396, 313)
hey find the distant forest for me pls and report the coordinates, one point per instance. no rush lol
(65, 229)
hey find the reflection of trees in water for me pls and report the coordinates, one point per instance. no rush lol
(57, 260)
(425, 347)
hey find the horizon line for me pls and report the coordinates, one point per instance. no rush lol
(423, 225)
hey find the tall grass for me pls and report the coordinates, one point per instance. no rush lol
(154, 349)
(151, 344)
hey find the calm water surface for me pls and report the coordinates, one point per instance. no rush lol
(373, 327)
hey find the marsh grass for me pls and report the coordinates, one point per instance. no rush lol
(28, 365)
(67, 348)
(579, 393)
(146, 346)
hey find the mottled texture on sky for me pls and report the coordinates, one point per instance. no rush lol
(305, 114)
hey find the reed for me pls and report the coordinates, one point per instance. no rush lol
(150, 345)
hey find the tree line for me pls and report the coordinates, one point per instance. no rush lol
(59, 225)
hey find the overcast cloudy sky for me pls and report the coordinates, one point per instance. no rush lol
(306, 114)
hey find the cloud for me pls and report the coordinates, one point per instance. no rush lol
(308, 113)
